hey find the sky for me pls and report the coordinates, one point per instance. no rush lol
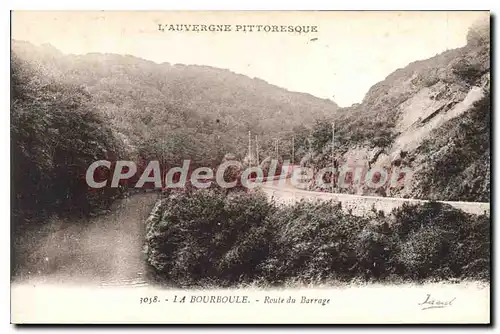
(349, 53)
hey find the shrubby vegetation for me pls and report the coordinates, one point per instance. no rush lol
(479, 32)
(372, 123)
(208, 239)
(56, 134)
(458, 166)
(69, 111)
(176, 112)
(453, 163)
(210, 235)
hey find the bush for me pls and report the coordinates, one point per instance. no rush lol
(468, 70)
(313, 240)
(439, 241)
(479, 32)
(208, 237)
(376, 250)
(458, 167)
(423, 252)
(56, 134)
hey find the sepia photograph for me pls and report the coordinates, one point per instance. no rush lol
(265, 167)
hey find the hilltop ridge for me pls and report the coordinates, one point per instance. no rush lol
(416, 118)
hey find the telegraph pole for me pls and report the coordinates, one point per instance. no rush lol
(333, 153)
(249, 149)
(163, 172)
(293, 150)
(257, 149)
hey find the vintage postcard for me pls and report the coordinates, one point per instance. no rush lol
(258, 167)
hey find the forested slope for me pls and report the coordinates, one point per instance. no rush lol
(178, 111)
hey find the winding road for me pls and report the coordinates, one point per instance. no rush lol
(283, 191)
(107, 250)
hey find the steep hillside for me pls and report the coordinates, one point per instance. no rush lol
(420, 117)
(180, 111)
(56, 133)
(431, 117)
(455, 158)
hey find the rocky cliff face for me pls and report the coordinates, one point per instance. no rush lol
(418, 118)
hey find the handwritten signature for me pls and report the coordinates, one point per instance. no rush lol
(431, 302)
